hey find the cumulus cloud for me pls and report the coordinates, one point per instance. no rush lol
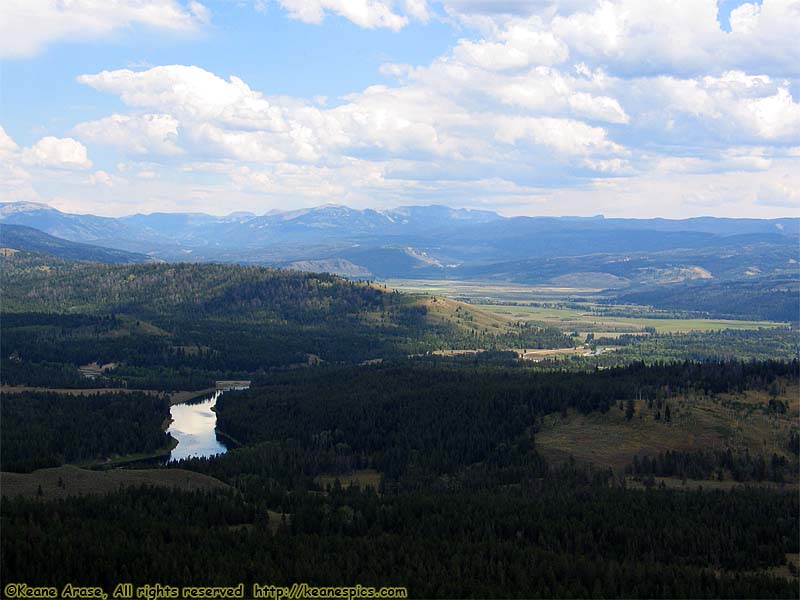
(26, 26)
(136, 134)
(64, 153)
(734, 104)
(230, 119)
(562, 135)
(370, 14)
(519, 45)
(599, 108)
(657, 37)
(101, 178)
(8, 146)
(15, 181)
(50, 157)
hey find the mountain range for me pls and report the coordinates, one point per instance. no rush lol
(442, 242)
(21, 237)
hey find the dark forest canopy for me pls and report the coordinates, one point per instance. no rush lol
(45, 429)
(412, 419)
(568, 536)
(463, 490)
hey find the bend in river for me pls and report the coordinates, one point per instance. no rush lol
(194, 426)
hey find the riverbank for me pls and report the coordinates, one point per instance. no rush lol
(224, 435)
(127, 459)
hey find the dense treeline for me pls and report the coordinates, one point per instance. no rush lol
(45, 429)
(761, 344)
(437, 419)
(702, 464)
(563, 537)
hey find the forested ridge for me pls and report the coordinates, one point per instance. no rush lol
(183, 325)
(774, 298)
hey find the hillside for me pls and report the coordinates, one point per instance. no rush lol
(68, 480)
(20, 237)
(184, 325)
(774, 297)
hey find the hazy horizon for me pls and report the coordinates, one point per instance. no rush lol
(390, 209)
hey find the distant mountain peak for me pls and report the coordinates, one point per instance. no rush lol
(7, 208)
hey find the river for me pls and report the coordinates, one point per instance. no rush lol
(193, 425)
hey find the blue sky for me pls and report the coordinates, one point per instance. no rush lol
(620, 107)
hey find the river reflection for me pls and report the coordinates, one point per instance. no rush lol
(193, 426)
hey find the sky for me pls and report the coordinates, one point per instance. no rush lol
(627, 108)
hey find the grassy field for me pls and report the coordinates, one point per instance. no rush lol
(362, 479)
(276, 518)
(498, 304)
(569, 319)
(77, 481)
(468, 316)
(737, 421)
(784, 571)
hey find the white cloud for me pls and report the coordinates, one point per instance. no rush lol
(773, 117)
(418, 9)
(611, 166)
(732, 160)
(598, 108)
(658, 37)
(188, 92)
(8, 146)
(49, 157)
(744, 18)
(15, 181)
(64, 153)
(137, 134)
(230, 120)
(26, 26)
(734, 104)
(522, 44)
(364, 13)
(100, 178)
(780, 194)
(565, 136)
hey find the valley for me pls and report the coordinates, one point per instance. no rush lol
(394, 420)
(572, 309)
